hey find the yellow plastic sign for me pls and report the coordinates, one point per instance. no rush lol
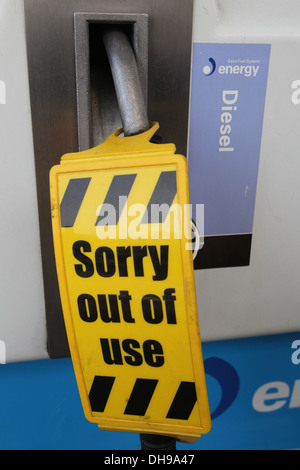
(126, 279)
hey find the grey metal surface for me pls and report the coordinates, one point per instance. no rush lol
(98, 112)
(52, 78)
(127, 81)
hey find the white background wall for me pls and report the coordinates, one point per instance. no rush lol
(22, 310)
(263, 298)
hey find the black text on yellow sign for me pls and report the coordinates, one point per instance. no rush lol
(127, 287)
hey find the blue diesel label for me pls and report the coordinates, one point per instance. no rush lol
(227, 108)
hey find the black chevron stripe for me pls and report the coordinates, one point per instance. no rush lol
(163, 196)
(100, 391)
(140, 397)
(72, 200)
(184, 401)
(120, 186)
